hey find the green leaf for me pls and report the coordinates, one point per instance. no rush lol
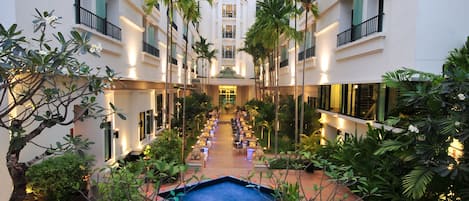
(415, 183)
(389, 145)
(122, 116)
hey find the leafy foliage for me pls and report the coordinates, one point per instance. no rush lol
(42, 81)
(169, 140)
(132, 180)
(59, 178)
(434, 109)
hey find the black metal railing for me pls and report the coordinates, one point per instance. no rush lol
(228, 35)
(310, 52)
(284, 63)
(174, 61)
(89, 19)
(228, 55)
(229, 14)
(150, 49)
(184, 36)
(173, 24)
(370, 26)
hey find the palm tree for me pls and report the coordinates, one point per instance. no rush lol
(202, 47)
(148, 7)
(190, 12)
(274, 19)
(258, 53)
(308, 5)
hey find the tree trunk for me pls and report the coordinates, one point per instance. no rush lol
(277, 91)
(18, 176)
(302, 112)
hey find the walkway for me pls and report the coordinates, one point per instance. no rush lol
(224, 160)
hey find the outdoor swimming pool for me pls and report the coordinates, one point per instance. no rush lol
(225, 189)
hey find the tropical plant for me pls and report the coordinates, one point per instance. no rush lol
(169, 140)
(202, 48)
(308, 5)
(287, 120)
(42, 80)
(434, 119)
(273, 20)
(140, 180)
(59, 178)
(311, 143)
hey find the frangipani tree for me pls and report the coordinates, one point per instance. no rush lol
(435, 117)
(41, 83)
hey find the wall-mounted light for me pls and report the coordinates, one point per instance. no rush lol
(116, 133)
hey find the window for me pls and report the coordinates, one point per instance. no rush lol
(102, 20)
(360, 25)
(335, 95)
(309, 43)
(359, 100)
(228, 31)
(227, 94)
(141, 125)
(184, 32)
(149, 122)
(364, 101)
(150, 39)
(229, 10)
(228, 52)
(283, 56)
(173, 53)
(107, 141)
(159, 111)
(387, 102)
(324, 97)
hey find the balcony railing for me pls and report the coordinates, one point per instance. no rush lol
(310, 52)
(173, 24)
(174, 61)
(150, 49)
(89, 19)
(228, 55)
(229, 14)
(284, 63)
(228, 35)
(370, 26)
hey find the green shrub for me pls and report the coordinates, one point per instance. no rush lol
(166, 147)
(290, 163)
(59, 178)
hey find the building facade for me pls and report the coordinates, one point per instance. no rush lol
(353, 43)
(134, 46)
(230, 76)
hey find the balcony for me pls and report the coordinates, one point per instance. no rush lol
(174, 61)
(229, 14)
(89, 19)
(150, 49)
(368, 27)
(284, 63)
(173, 24)
(310, 52)
(228, 55)
(228, 35)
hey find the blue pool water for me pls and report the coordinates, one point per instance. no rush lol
(222, 189)
(227, 191)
